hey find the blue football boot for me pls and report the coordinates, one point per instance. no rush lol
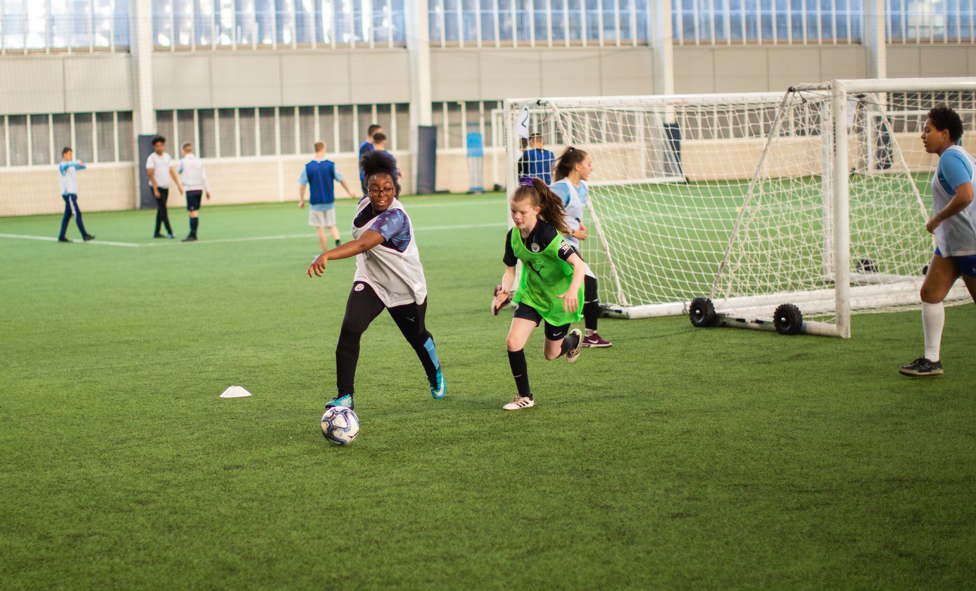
(438, 387)
(344, 400)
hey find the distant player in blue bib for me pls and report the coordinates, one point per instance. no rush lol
(319, 176)
(67, 176)
(536, 162)
(365, 148)
(954, 227)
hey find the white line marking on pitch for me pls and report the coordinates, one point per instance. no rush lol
(249, 239)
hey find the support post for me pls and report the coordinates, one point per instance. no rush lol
(660, 40)
(874, 39)
(418, 50)
(143, 113)
(842, 229)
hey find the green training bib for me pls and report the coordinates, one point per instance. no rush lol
(545, 277)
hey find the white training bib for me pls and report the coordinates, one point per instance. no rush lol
(956, 236)
(396, 277)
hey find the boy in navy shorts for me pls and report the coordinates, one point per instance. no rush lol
(195, 183)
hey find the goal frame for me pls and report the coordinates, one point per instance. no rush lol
(839, 191)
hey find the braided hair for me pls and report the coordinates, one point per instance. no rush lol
(539, 195)
(566, 163)
(375, 163)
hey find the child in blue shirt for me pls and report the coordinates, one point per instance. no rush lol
(319, 176)
(69, 192)
(537, 162)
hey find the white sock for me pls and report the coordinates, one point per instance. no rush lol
(590, 332)
(933, 319)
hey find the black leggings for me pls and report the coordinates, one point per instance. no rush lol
(591, 303)
(162, 216)
(362, 308)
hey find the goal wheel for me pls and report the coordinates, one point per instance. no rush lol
(788, 320)
(702, 313)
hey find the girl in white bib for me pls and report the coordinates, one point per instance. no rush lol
(388, 276)
(954, 227)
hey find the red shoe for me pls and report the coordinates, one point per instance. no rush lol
(595, 342)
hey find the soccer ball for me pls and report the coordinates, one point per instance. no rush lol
(340, 425)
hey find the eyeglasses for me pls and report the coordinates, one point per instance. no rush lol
(387, 192)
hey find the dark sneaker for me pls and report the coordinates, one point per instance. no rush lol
(88, 237)
(345, 400)
(595, 342)
(519, 402)
(63, 239)
(438, 388)
(161, 236)
(190, 238)
(922, 367)
(573, 354)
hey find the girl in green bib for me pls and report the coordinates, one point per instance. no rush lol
(550, 288)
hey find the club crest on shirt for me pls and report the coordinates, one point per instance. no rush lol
(535, 247)
(359, 287)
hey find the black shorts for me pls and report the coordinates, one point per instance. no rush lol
(553, 333)
(193, 199)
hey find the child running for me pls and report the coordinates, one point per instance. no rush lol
(388, 275)
(550, 288)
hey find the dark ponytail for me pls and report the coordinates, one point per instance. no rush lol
(566, 163)
(550, 205)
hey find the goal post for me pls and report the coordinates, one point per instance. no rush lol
(816, 198)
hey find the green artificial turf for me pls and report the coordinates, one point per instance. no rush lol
(680, 458)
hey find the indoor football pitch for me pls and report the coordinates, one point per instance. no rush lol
(680, 458)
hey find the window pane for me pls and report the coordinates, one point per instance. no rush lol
(207, 133)
(84, 136)
(365, 120)
(228, 133)
(266, 116)
(126, 137)
(17, 127)
(162, 23)
(3, 143)
(326, 131)
(40, 138)
(307, 134)
(347, 143)
(286, 129)
(385, 120)
(185, 132)
(248, 132)
(403, 126)
(105, 126)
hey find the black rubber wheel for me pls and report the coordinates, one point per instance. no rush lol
(788, 319)
(702, 313)
(866, 266)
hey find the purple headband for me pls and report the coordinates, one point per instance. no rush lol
(525, 181)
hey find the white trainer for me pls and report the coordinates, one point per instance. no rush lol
(519, 402)
(573, 354)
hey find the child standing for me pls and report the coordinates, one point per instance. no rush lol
(536, 162)
(161, 170)
(195, 182)
(388, 275)
(319, 176)
(69, 192)
(573, 168)
(550, 287)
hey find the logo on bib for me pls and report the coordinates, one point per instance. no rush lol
(359, 287)
(535, 247)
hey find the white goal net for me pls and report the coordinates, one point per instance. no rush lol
(749, 199)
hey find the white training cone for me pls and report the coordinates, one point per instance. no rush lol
(235, 392)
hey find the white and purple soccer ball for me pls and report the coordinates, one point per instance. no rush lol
(340, 425)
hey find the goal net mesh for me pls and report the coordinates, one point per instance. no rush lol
(730, 197)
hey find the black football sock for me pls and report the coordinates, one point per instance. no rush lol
(194, 224)
(591, 304)
(338, 243)
(569, 343)
(520, 371)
